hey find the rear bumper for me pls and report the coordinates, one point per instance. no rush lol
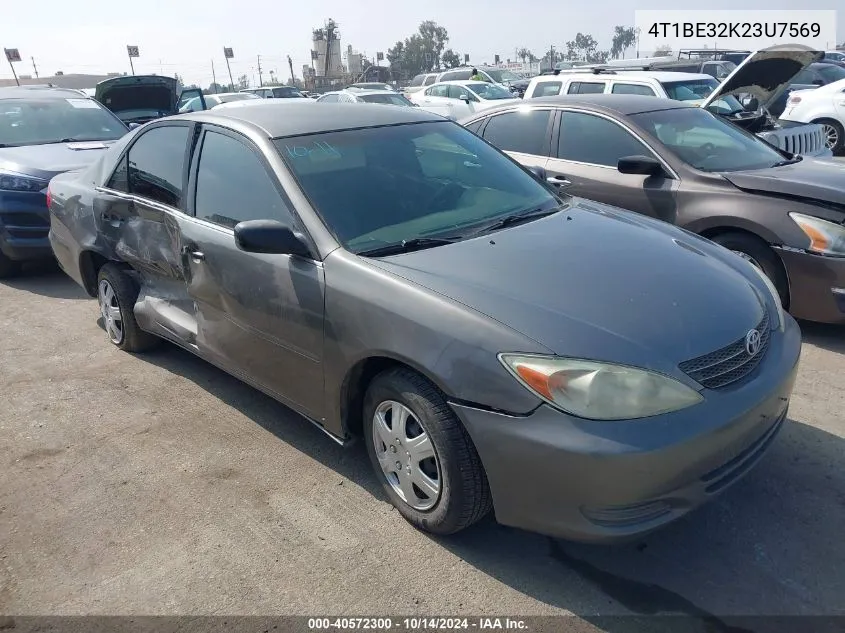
(24, 224)
(816, 286)
(593, 481)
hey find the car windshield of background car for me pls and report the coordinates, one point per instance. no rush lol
(37, 122)
(502, 75)
(490, 91)
(707, 142)
(403, 182)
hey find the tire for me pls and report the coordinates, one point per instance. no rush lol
(8, 268)
(761, 255)
(463, 496)
(116, 290)
(834, 128)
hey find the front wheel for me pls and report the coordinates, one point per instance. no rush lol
(423, 456)
(755, 251)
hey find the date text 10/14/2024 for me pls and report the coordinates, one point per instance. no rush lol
(417, 623)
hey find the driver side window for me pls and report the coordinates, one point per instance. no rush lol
(586, 138)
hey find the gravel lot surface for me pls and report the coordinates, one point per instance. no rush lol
(157, 484)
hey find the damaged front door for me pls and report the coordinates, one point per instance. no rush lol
(142, 226)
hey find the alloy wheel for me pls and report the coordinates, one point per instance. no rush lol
(110, 310)
(831, 135)
(406, 455)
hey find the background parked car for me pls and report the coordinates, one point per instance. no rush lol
(275, 92)
(194, 100)
(388, 97)
(370, 86)
(684, 165)
(815, 75)
(744, 97)
(462, 98)
(419, 82)
(583, 371)
(825, 106)
(43, 131)
(834, 56)
(501, 76)
(137, 99)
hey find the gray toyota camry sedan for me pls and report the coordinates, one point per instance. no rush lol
(583, 371)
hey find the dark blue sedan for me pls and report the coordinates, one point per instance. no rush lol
(44, 131)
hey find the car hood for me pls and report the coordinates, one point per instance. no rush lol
(814, 179)
(766, 73)
(597, 282)
(124, 94)
(45, 161)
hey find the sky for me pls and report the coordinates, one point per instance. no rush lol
(90, 36)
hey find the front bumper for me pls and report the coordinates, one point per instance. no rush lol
(816, 286)
(593, 481)
(24, 224)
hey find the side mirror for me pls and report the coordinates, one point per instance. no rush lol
(270, 236)
(538, 172)
(134, 125)
(641, 165)
(464, 98)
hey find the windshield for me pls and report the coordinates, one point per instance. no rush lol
(831, 73)
(287, 92)
(502, 76)
(403, 182)
(42, 121)
(725, 69)
(690, 89)
(392, 99)
(707, 142)
(490, 91)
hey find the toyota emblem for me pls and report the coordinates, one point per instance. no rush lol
(753, 341)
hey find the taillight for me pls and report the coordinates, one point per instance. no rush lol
(49, 197)
(795, 99)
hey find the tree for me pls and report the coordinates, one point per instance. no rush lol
(525, 55)
(598, 57)
(663, 51)
(450, 59)
(581, 48)
(214, 88)
(409, 56)
(624, 37)
(243, 82)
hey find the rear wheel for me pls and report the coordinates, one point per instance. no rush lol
(759, 254)
(834, 137)
(423, 456)
(116, 295)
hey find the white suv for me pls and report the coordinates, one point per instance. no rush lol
(669, 85)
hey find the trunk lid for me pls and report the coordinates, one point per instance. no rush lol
(137, 99)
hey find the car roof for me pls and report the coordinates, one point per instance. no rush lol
(40, 92)
(618, 73)
(364, 92)
(306, 118)
(618, 103)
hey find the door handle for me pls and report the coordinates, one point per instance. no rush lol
(197, 256)
(558, 181)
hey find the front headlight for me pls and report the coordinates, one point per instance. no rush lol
(11, 181)
(826, 238)
(599, 391)
(773, 292)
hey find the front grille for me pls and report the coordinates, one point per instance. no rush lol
(729, 364)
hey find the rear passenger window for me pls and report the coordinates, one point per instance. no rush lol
(523, 132)
(416, 81)
(474, 127)
(586, 138)
(585, 88)
(546, 89)
(157, 163)
(228, 169)
(632, 89)
(429, 80)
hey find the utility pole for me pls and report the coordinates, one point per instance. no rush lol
(290, 65)
(260, 80)
(34, 67)
(213, 76)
